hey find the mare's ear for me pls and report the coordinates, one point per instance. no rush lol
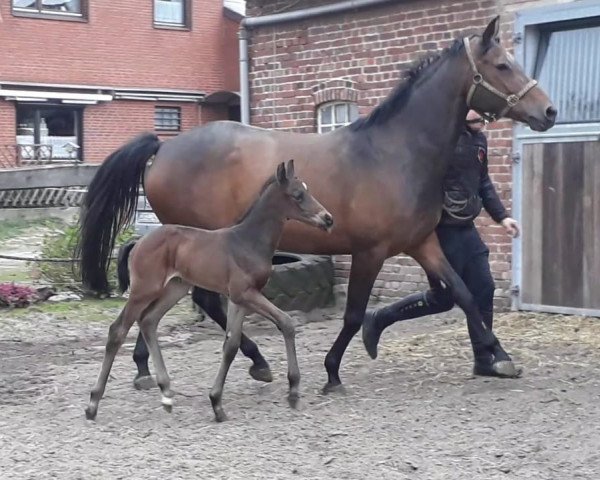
(491, 32)
(290, 169)
(281, 176)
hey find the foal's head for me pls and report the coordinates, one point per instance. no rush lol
(298, 203)
(498, 86)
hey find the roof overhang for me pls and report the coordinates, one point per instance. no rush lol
(85, 94)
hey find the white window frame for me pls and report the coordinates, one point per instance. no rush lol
(335, 122)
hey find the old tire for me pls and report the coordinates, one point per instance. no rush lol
(300, 282)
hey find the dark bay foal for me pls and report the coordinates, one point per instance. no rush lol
(234, 261)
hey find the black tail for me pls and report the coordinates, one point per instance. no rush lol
(122, 265)
(109, 206)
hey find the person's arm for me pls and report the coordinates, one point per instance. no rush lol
(489, 197)
(492, 203)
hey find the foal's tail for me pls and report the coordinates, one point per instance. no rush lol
(122, 265)
(109, 205)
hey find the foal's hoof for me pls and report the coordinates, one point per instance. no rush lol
(90, 413)
(261, 374)
(501, 369)
(336, 388)
(145, 382)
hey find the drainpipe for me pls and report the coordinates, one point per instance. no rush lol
(249, 23)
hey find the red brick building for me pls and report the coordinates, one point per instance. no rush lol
(314, 65)
(83, 77)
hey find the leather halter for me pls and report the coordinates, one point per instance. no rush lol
(483, 90)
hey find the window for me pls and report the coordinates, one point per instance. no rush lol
(172, 13)
(167, 119)
(564, 50)
(57, 8)
(335, 115)
(49, 132)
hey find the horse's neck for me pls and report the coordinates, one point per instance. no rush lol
(433, 116)
(263, 225)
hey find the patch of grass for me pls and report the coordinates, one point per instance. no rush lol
(61, 244)
(13, 228)
(88, 309)
(17, 276)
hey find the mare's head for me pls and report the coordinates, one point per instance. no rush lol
(498, 87)
(298, 203)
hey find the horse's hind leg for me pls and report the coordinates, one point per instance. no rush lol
(210, 302)
(173, 292)
(257, 302)
(233, 334)
(432, 259)
(363, 272)
(116, 336)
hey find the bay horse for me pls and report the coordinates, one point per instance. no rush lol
(380, 177)
(234, 261)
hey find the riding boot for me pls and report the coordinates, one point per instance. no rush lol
(482, 354)
(412, 306)
(486, 363)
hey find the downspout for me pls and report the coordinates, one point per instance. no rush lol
(249, 23)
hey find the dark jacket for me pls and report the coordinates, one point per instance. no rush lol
(467, 185)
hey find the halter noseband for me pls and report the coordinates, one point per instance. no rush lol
(481, 89)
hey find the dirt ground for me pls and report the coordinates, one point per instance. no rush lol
(414, 413)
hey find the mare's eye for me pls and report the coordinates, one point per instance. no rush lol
(503, 67)
(298, 196)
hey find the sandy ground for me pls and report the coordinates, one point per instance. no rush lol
(415, 412)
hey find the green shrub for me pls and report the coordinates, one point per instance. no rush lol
(65, 275)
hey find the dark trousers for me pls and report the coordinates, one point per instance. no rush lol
(469, 257)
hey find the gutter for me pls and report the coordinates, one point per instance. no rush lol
(249, 23)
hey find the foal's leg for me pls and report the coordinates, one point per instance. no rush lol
(256, 301)
(116, 336)
(210, 302)
(233, 334)
(429, 254)
(173, 292)
(364, 271)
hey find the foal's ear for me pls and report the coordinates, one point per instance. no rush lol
(491, 32)
(281, 176)
(290, 169)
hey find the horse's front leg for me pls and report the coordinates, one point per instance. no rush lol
(233, 335)
(363, 272)
(431, 257)
(210, 302)
(256, 301)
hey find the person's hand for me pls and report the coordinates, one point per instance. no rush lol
(511, 226)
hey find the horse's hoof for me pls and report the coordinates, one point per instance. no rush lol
(261, 374)
(294, 401)
(370, 334)
(167, 403)
(90, 413)
(145, 382)
(501, 369)
(220, 416)
(336, 388)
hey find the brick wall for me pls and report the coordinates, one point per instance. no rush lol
(292, 63)
(8, 130)
(110, 125)
(119, 47)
